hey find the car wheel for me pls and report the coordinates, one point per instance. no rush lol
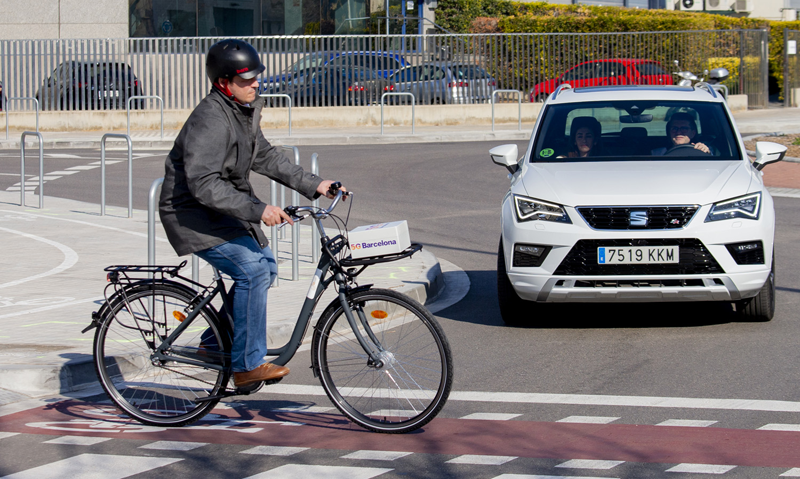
(514, 310)
(760, 308)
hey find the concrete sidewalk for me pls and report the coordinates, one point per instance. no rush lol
(53, 279)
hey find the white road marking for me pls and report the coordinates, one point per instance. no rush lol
(60, 155)
(686, 423)
(589, 419)
(4, 435)
(309, 409)
(274, 450)
(491, 416)
(479, 460)
(586, 400)
(376, 455)
(62, 173)
(701, 468)
(91, 466)
(173, 445)
(589, 464)
(794, 472)
(78, 440)
(538, 476)
(83, 167)
(293, 471)
(70, 258)
(780, 427)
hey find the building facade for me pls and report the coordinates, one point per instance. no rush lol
(189, 18)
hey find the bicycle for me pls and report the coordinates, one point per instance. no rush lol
(162, 350)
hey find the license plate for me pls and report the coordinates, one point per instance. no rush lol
(637, 254)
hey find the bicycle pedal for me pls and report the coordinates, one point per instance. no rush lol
(249, 389)
(272, 381)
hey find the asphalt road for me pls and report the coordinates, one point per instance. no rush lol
(450, 193)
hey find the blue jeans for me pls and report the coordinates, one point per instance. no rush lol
(253, 270)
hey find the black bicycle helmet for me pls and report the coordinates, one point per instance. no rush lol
(228, 58)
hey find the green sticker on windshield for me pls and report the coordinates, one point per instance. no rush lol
(547, 152)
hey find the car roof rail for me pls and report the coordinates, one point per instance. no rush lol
(565, 86)
(707, 87)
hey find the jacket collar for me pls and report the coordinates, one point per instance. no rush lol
(247, 110)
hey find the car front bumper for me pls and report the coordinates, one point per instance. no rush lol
(731, 282)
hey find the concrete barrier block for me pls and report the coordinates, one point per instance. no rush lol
(737, 102)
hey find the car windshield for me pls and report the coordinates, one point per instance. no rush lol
(635, 130)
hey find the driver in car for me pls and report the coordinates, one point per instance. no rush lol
(682, 130)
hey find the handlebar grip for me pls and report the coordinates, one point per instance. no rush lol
(334, 187)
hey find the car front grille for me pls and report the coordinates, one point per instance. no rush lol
(619, 217)
(694, 258)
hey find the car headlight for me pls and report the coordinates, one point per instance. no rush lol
(747, 207)
(530, 209)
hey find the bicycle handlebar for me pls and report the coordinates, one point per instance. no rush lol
(294, 212)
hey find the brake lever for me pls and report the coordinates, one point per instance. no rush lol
(294, 218)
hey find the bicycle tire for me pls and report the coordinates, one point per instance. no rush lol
(410, 389)
(154, 392)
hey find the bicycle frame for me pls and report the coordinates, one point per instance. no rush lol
(319, 283)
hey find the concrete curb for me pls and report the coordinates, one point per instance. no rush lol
(281, 140)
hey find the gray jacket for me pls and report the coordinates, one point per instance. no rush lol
(207, 198)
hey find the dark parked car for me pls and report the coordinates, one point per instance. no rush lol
(2, 97)
(89, 86)
(383, 63)
(617, 71)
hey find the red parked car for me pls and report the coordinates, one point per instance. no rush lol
(613, 71)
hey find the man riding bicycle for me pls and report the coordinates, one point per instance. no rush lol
(208, 206)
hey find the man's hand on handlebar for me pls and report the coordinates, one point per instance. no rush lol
(274, 216)
(329, 188)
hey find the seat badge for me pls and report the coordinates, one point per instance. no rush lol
(638, 218)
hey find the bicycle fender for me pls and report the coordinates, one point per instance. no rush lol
(329, 310)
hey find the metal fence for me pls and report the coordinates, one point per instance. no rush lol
(791, 67)
(104, 73)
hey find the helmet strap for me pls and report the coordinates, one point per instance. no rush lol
(225, 91)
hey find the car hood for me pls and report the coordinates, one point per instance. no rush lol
(637, 182)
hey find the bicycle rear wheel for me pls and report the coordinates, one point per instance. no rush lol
(413, 383)
(152, 391)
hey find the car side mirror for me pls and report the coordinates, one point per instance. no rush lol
(768, 152)
(505, 155)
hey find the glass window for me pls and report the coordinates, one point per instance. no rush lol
(163, 18)
(650, 69)
(625, 130)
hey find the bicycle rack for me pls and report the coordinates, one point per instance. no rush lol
(282, 95)
(519, 102)
(296, 225)
(35, 101)
(273, 199)
(144, 97)
(22, 167)
(151, 221)
(401, 93)
(103, 172)
(315, 237)
(4, 101)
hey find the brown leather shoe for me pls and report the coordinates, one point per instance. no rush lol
(264, 372)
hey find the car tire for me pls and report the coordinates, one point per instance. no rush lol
(760, 308)
(514, 310)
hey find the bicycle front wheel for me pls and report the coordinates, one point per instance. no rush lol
(411, 382)
(154, 391)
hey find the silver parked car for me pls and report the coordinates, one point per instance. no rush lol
(431, 84)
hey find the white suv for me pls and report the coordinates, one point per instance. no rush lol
(636, 194)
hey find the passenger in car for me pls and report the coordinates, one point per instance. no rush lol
(681, 130)
(584, 137)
